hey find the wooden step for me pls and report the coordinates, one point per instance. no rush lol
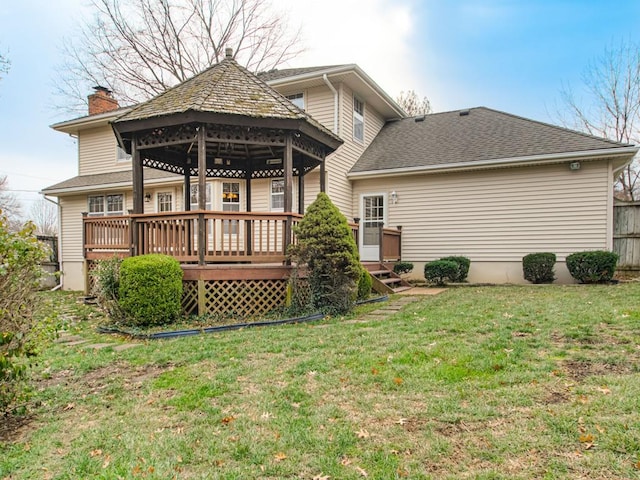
(401, 289)
(387, 281)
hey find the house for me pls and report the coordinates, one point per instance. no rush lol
(216, 170)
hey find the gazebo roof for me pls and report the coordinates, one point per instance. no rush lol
(225, 89)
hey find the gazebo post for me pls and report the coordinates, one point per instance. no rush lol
(301, 188)
(323, 176)
(202, 194)
(248, 230)
(288, 188)
(138, 194)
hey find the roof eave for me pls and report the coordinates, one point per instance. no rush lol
(608, 153)
(107, 186)
(98, 120)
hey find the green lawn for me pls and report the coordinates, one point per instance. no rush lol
(539, 382)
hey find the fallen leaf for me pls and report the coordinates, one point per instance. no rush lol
(179, 459)
(26, 447)
(280, 456)
(95, 453)
(362, 472)
(583, 399)
(398, 381)
(107, 461)
(69, 406)
(228, 420)
(374, 371)
(266, 415)
(401, 421)
(604, 390)
(586, 438)
(362, 433)
(321, 477)
(344, 461)
(600, 429)
(218, 463)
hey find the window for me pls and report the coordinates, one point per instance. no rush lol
(122, 156)
(165, 202)
(358, 120)
(194, 197)
(297, 99)
(106, 204)
(231, 203)
(277, 195)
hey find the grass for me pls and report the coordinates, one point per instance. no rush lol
(487, 383)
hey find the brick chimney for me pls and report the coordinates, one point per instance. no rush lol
(102, 101)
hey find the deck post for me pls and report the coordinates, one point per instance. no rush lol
(133, 236)
(202, 193)
(323, 176)
(202, 297)
(248, 223)
(301, 189)
(381, 241)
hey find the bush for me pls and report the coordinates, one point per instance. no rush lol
(463, 268)
(107, 285)
(596, 266)
(20, 273)
(441, 271)
(402, 267)
(150, 290)
(538, 267)
(326, 246)
(364, 285)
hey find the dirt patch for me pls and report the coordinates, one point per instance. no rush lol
(15, 428)
(579, 370)
(554, 398)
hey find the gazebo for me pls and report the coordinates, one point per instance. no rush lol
(222, 123)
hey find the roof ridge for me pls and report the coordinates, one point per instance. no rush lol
(557, 127)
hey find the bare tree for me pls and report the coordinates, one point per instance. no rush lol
(412, 104)
(610, 106)
(9, 204)
(5, 64)
(44, 215)
(139, 48)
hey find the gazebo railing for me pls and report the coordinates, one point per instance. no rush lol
(194, 236)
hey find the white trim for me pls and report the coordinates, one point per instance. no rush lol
(72, 126)
(513, 161)
(385, 219)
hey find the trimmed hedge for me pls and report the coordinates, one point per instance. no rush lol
(402, 267)
(463, 268)
(150, 290)
(596, 266)
(440, 271)
(538, 267)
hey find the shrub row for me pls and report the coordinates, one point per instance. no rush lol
(596, 266)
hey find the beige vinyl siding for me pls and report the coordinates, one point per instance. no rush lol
(72, 261)
(498, 215)
(320, 105)
(97, 152)
(340, 162)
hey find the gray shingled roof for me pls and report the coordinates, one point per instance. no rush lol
(277, 74)
(102, 179)
(449, 138)
(225, 88)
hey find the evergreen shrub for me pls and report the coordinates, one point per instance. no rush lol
(597, 266)
(402, 267)
(327, 247)
(441, 271)
(150, 290)
(365, 283)
(538, 267)
(463, 268)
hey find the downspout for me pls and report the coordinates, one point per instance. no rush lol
(57, 204)
(335, 102)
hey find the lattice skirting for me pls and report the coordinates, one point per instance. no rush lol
(239, 298)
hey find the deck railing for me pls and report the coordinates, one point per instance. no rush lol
(206, 236)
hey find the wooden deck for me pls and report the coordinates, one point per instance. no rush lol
(233, 262)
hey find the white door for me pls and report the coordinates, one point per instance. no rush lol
(372, 216)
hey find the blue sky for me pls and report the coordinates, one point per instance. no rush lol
(509, 55)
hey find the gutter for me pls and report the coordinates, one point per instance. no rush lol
(335, 103)
(513, 161)
(110, 186)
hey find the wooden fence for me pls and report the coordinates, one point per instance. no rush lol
(626, 235)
